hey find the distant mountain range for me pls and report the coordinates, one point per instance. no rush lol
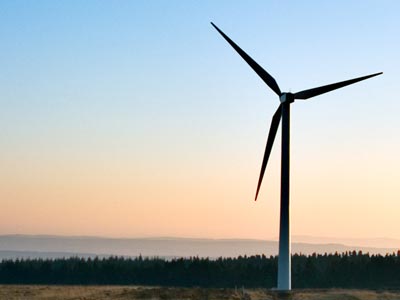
(371, 242)
(46, 246)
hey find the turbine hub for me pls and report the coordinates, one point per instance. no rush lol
(286, 97)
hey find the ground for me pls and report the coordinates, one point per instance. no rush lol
(35, 292)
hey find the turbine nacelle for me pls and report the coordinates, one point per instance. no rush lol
(286, 97)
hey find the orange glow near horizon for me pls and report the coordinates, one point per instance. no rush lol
(205, 200)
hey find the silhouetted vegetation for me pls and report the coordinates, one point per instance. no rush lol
(346, 270)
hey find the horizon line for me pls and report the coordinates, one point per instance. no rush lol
(192, 238)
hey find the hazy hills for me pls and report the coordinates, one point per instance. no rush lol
(13, 246)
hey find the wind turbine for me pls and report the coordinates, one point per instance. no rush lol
(283, 112)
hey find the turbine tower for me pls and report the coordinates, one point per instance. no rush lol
(283, 112)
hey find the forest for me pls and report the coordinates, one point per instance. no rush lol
(338, 270)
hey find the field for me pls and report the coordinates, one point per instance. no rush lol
(35, 292)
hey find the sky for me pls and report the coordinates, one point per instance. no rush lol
(136, 119)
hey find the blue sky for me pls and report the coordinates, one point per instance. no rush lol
(148, 90)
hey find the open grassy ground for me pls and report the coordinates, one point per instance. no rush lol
(33, 292)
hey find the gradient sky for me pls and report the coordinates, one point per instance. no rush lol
(136, 119)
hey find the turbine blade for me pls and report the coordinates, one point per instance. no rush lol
(270, 141)
(268, 79)
(330, 87)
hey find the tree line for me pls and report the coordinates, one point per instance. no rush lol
(344, 270)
